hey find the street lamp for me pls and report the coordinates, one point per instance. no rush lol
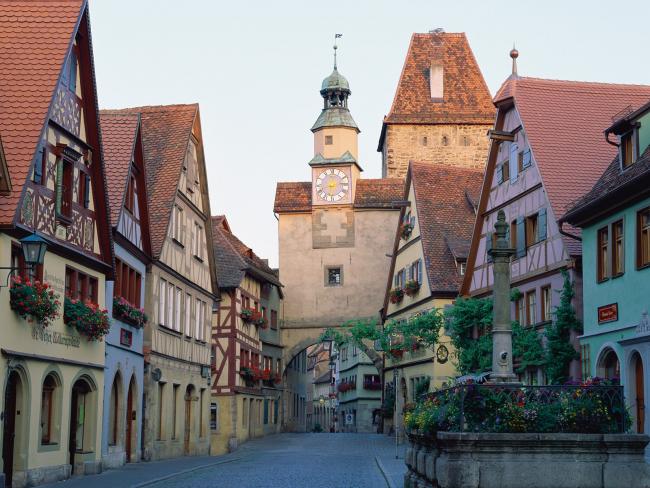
(33, 247)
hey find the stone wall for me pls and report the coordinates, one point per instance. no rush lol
(469, 460)
(457, 145)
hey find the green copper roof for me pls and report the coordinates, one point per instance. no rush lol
(319, 159)
(335, 81)
(334, 117)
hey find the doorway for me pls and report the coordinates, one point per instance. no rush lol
(189, 397)
(9, 433)
(78, 401)
(129, 421)
(640, 394)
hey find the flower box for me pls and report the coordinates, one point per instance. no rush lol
(396, 295)
(124, 311)
(343, 387)
(34, 300)
(87, 317)
(247, 314)
(405, 230)
(372, 385)
(411, 287)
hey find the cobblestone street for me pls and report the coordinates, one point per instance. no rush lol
(282, 461)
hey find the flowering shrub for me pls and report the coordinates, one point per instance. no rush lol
(123, 310)
(34, 299)
(396, 295)
(411, 287)
(588, 408)
(87, 317)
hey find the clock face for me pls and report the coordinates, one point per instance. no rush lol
(332, 185)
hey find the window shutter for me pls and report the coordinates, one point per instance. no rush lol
(420, 271)
(499, 174)
(527, 159)
(513, 162)
(521, 237)
(541, 225)
(87, 192)
(488, 245)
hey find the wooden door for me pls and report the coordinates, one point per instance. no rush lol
(9, 433)
(640, 396)
(130, 414)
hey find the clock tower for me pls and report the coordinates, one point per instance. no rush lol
(334, 167)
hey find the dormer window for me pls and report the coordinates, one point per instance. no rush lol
(627, 149)
(436, 81)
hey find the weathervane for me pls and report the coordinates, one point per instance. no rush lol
(336, 36)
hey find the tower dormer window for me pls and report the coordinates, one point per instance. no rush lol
(436, 81)
(329, 140)
(627, 149)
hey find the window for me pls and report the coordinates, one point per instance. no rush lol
(531, 230)
(197, 243)
(214, 416)
(65, 172)
(274, 319)
(519, 311)
(436, 81)
(169, 322)
(643, 238)
(334, 276)
(188, 318)
(197, 319)
(585, 360)
(627, 149)
(425, 140)
(329, 140)
(80, 286)
(503, 172)
(176, 227)
(21, 269)
(179, 300)
(526, 159)
(415, 271)
(128, 283)
(354, 350)
(174, 410)
(603, 245)
(546, 303)
(84, 189)
(618, 266)
(462, 268)
(400, 278)
(513, 162)
(131, 195)
(531, 307)
(47, 410)
(162, 295)
(70, 73)
(40, 167)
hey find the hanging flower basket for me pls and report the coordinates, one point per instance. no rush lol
(34, 300)
(87, 317)
(396, 295)
(247, 315)
(124, 311)
(405, 230)
(411, 287)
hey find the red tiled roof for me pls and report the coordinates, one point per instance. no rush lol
(466, 96)
(166, 131)
(445, 215)
(34, 41)
(564, 122)
(118, 139)
(369, 193)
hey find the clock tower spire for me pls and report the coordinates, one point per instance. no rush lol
(334, 166)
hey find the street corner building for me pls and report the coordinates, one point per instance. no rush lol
(125, 296)
(53, 187)
(442, 107)
(247, 369)
(432, 241)
(614, 221)
(543, 156)
(180, 282)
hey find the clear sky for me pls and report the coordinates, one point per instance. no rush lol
(255, 68)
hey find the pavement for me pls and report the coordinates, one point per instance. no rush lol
(278, 461)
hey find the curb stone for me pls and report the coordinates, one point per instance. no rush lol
(389, 481)
(186, 471)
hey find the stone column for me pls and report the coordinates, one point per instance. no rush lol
(501, 253)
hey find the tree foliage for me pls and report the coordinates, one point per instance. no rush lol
(559, 350)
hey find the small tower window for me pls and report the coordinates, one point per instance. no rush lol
(436, 81)
(425, 140)
(329, 140)
(445, 141)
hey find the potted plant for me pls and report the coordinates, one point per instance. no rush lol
(124, 311)
(411, 287)
(396, 295)
(34, 300)
(87, 317)
(405, 230)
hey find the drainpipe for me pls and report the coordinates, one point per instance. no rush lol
(567, 234)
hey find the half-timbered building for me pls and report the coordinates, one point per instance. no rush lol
(125, 295)
(180, 283)
(547, 149)
(245, 383)
(429, 258)
(52, 185)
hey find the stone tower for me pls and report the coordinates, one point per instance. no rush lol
(442, 108)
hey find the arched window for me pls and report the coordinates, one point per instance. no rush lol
(114, 406)
(49, 395)
(609, 366)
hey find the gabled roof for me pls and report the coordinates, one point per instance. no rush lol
(326, 377)
(34, 40)
(166, 131)
(564, 122)
(615, 189)
(444, 216)
(369, 193)
(234, 259)
(119, 131)
(466, 100)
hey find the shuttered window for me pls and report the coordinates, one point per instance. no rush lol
(513, 162)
